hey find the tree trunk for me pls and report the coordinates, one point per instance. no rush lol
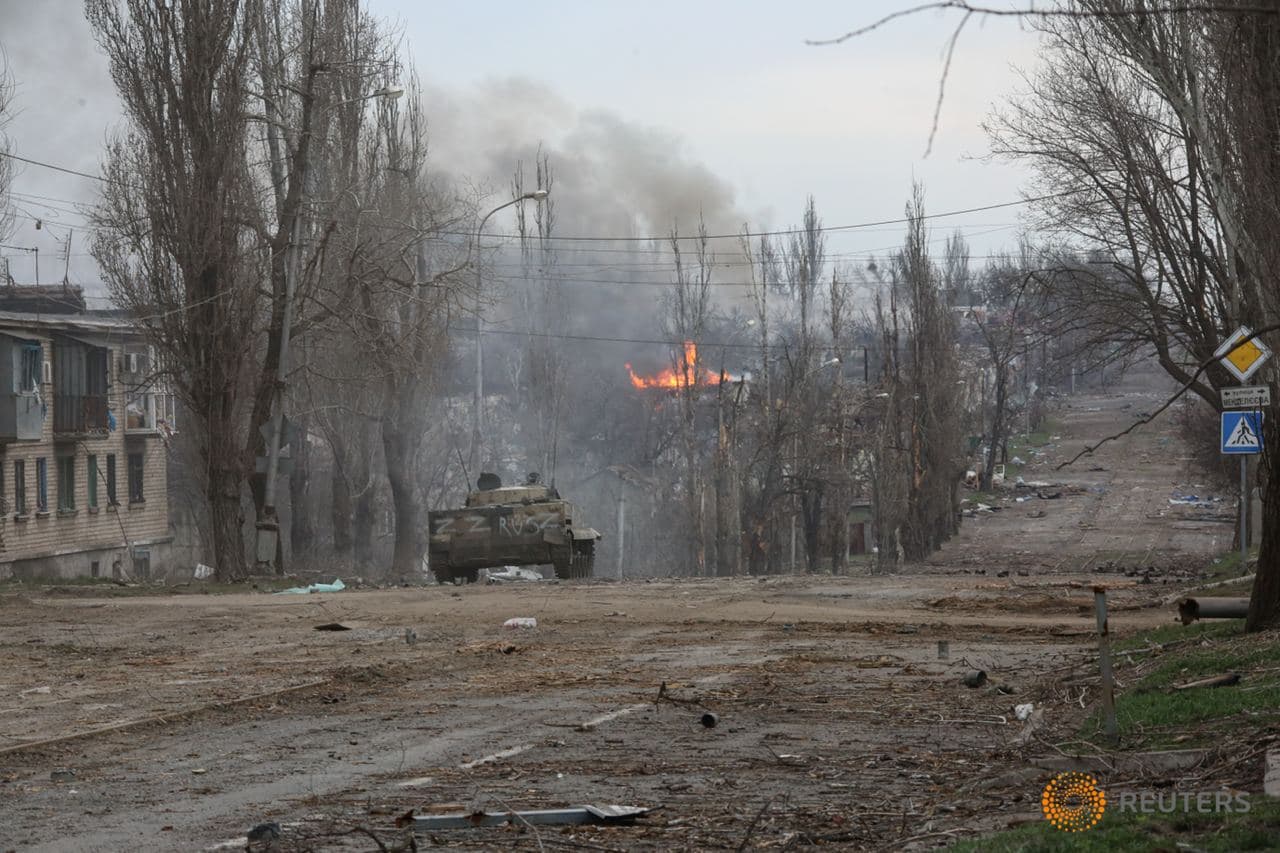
(997, 426)
(362, 523)
(1264, 602)
(301, 530)
(811, 512)
(839, 521)
(406, 555)
(340, 508)
(226, 524)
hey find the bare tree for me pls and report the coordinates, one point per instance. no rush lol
(688, 305)
(1003, 322)
(172, 241)
(540, 373)
(917, 458)
(1161, 130)
(6, 165)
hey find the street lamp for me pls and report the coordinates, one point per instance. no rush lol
(268, 533)
(477, 419)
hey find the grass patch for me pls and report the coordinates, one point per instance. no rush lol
(1150, 713)
(1256, 829)
(1181, 634)
(1227, 565)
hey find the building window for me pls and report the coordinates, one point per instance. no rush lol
(135, 478)
(32, 366)
(20, 486)
(42, 484)
(111, 480)
(66, 483)
(92, 475)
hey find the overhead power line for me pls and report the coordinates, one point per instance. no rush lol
(608, 340)
(783, 232)
(54, 167)
(826, 229)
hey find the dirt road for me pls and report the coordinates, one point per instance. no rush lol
(185, 720)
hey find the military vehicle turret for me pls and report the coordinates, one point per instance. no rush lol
(525, 525)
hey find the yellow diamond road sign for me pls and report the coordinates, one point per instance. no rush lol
(1242, 355)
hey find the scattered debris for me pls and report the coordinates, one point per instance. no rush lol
(1271, 780)
(1033, 722)
(1191, 609)
(513, 574)
(336, 586)
(595, 815)
(62, 775)
(410, 636)
(1195, 501)
(975, 678)
(944, 649)
(202, 572)
(1228, 680)
(521, 622)
(263, 833)
(1023, 712)
(36, 691)
(332, 626)
(709, 720)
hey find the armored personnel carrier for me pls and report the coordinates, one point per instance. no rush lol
(523, 525)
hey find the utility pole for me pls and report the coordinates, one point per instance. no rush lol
(622, 530)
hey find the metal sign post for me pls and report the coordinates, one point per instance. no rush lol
(1242, 355)
(1244, 515)
(1242, 436)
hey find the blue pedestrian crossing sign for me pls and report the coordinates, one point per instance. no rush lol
(1242, 432)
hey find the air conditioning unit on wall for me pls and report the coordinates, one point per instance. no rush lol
(46, 372)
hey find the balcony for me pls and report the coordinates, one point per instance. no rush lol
(21, 417)
(79, 415)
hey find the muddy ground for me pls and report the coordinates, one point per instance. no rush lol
(185, 720)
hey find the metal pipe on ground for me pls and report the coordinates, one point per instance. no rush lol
(1191, 609)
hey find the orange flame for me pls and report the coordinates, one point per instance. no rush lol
(686, 374)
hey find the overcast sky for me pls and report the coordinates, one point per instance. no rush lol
(720, 101)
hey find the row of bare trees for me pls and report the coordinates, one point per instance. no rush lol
(814, 406)
(267, 185)
(1153, 136)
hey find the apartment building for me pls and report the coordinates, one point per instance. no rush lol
(84, 427)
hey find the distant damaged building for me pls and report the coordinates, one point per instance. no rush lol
(84, 426)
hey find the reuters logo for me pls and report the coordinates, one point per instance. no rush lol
(1073, 802)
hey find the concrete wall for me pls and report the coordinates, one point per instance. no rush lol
(58, 544)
